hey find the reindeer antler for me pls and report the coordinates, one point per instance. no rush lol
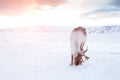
(86, 57)
(81, 46)
(85, 50)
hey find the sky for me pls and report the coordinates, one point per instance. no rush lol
(18, 13)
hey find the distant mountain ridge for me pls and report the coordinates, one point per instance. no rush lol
(104, 29)
(28, 29)
(90, 29)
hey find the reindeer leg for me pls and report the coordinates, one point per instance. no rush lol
(71, 60)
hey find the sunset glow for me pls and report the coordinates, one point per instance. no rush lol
(57, 13)
(50, 16)
(46, 7)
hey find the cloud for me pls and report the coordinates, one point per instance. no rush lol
(11, 7)
(50, 2)
(88, 5)
(108, 10)
(115, 3)
(14, 6)
(101, 14)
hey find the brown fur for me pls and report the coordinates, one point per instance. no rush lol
(81, 29)
(78, 59)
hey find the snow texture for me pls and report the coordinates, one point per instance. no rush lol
(45, 55)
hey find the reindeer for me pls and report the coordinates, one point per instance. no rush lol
(77, 39)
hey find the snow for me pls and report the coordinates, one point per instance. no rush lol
(46, 55)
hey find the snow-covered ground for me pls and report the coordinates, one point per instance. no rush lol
(39, 55)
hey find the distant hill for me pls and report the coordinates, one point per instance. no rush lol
(28, 29)
(104, 29)
(90, 29)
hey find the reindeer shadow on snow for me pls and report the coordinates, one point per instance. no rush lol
(77, 40)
